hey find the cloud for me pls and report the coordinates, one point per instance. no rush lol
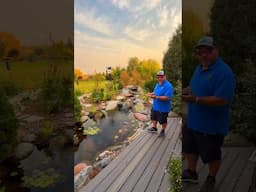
(136, 34)
(143, 30)
(146, 5)
(163, 15)
(90, 20)
(121, 3)
(93, 52)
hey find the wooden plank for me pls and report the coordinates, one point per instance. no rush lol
(225, 167)
(154, 180)
(234, 174)
(165, 185)
(238, 165)
(114, 164)
(123, 172)
(136, 174)
(245, 179)
(202, 170)
(147, 141)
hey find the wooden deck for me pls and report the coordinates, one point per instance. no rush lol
(141, 167)
(235, 174)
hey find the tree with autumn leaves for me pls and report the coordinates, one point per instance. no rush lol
(79, 75)
(139, 72)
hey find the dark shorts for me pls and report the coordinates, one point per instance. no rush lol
(208, 147)
(161, 117)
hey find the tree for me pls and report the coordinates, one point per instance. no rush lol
(172, 58)
(78, 75)
(13, 53)
(10, 41)
(124, 78)
(136, 78)
(2, 48)
(234, 31)
(192, 31)
(116, 75)
(132, 64)
(233, 27)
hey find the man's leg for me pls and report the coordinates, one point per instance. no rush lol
(190, 151)
(191, 161)
(153, 117)
(164, 125)
(210, 153)
(154, 123)
(214, 167)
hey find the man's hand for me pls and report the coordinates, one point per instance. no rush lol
(151, 95)
(187, 91)
(189, 98)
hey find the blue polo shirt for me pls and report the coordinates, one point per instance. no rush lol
(218, 80)
(164, 89)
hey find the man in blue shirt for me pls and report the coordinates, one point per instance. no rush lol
(161, 96)
(209, 96)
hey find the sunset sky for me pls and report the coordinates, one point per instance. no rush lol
(109, 32)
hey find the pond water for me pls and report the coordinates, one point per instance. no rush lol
(44, 170)
(115, 128)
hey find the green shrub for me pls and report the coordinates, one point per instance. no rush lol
(176, 100)
(57, 90)
(149, 85)
(244, 104)
(9, 88)
(8, 127)
(77, 106)
(175, 170)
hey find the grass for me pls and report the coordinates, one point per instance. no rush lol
(89, 85)
(27, 75)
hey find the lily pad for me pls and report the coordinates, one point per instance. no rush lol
(42, 179)
(13, 174)
(2, 189)
(91, 131)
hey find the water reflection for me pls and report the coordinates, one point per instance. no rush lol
(109, 135)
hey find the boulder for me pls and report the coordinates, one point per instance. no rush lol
(81, 178)
(120, 98)
(128, 94)
(33, 118)
(105, 154)
(29, 138)
(89, 123)
(23, 150)
(139, 108)
(99, 115)
(112, 105)
(84, 119)
(103, 163)
(140, 116)
(59, 142)
(78, 168)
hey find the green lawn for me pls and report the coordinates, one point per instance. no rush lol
(88, 86)
(26, 75)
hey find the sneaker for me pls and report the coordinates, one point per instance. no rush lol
(152, 130)
(189, 176)
(209, 185)
(161, 134)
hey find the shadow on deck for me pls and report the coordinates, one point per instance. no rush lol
(141, 167)
(235, 174)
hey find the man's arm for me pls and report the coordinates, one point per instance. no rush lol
(162, 98)
(207, 100)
